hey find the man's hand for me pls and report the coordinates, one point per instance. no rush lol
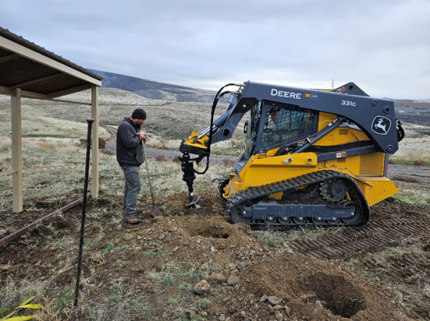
(142, 136)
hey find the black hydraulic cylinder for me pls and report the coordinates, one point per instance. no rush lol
(188, 175)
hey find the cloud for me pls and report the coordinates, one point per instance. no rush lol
(381, 45)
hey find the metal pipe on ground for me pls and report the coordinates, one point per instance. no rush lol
(24, 230)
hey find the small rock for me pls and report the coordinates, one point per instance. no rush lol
(273, 300)
(218, 277)
(241, 266)
(287, 310)
(221, 317)
(233, 280)
(128, 237)
(116, 242)
(198, 241)
(263, 298)
(161, 237)
(201, 287)
(279, 316)
(229, 289)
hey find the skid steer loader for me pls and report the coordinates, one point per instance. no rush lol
(311, 157)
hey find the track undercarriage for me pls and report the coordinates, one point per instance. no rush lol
(323, 198)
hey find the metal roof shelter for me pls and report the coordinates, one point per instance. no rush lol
(28, 70)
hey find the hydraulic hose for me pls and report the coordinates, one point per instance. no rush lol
(214, 104)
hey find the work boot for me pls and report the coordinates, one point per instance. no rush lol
(131, 220)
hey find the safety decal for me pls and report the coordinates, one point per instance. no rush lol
(341, 155)
(341, 90)
(381, 125)
(311, 96)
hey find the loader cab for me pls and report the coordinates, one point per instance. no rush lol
(272, 124)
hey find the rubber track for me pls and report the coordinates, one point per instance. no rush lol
(259, 192)
(376, 235)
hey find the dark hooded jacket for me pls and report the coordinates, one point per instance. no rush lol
(129, 148)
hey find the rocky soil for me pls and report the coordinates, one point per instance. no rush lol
(193, 264)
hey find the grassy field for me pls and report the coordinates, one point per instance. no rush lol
(414, 149)
(52, 132)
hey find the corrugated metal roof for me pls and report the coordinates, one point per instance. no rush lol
(30, 45)
(34, 69)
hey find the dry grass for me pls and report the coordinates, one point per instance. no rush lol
(409, 193)
(406, 179)
(160, 158)
(161, 146)
(54, 185)
(5, 143)
(414, 149)
(228, 163)
(45, 145)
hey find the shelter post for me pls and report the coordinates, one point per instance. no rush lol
(16, 150)
(95, 142)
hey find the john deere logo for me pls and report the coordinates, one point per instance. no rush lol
(381, 125)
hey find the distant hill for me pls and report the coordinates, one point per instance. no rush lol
(413, 111)
(153, 89)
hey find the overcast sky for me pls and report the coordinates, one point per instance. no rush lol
(381, 45)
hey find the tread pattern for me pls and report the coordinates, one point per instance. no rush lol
(253, 194)
(377, 235)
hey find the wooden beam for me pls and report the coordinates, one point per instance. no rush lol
(24, 93)
(42, 59)
(5, 90)
(16, 151)
(69, 91)
(31, 94)
(95, 143)
(9, 58)
(37, 80)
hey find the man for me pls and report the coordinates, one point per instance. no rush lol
(129, 154)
